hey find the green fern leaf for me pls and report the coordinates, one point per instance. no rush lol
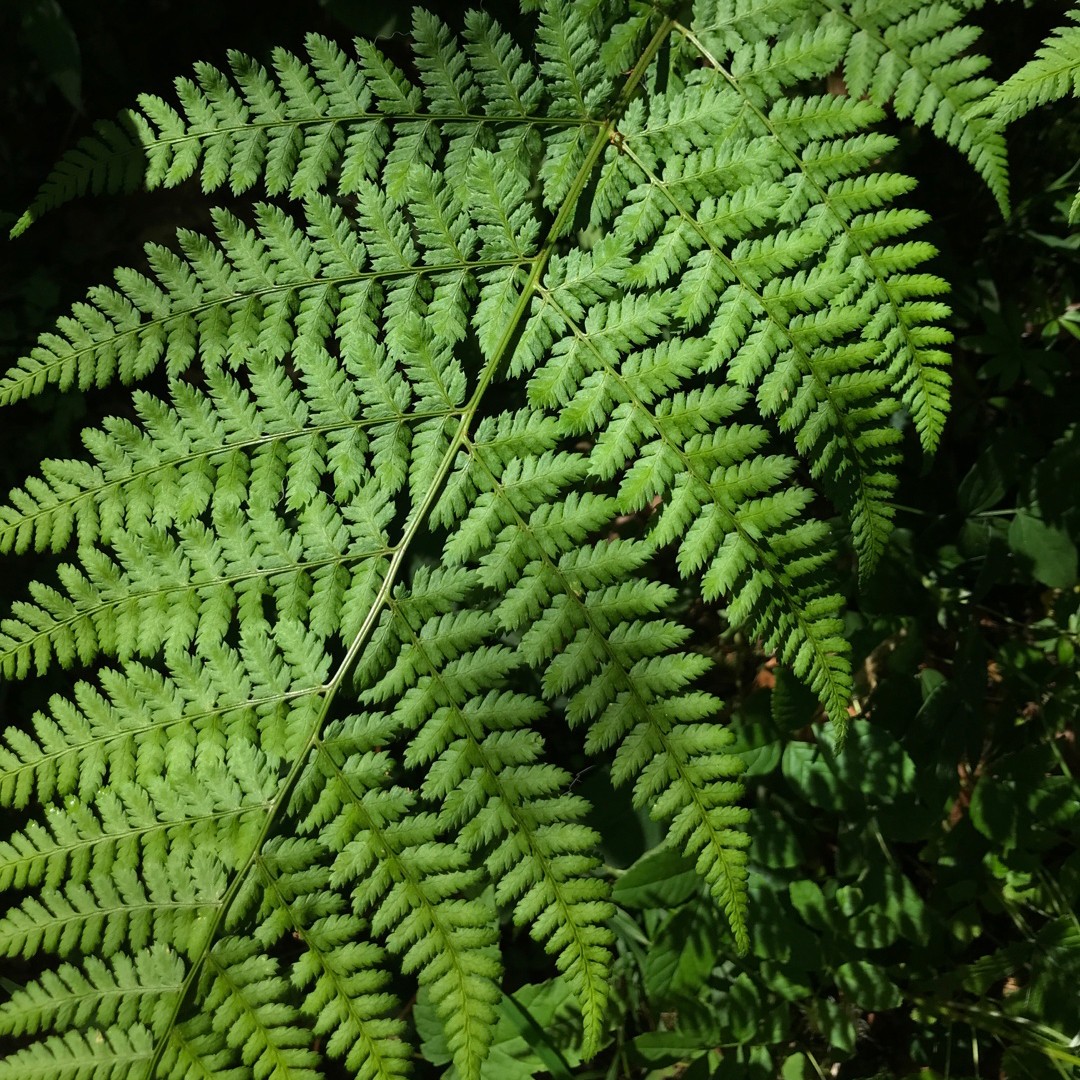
(509, 333)
(1054, 73)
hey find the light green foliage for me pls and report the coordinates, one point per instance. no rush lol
(428, 420)
(912, 55)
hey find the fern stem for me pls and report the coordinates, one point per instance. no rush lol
(375, 117)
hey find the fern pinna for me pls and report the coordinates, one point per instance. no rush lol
(512, 325)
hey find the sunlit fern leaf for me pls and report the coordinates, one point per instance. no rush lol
(523, 336)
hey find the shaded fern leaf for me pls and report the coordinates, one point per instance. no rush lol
(1054, 73)
(393, 524)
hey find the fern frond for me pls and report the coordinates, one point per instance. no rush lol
(917, 57)
(125, 991)
(326, 118)
(117, 1052)
(139, 905)
(1054, 73)
(912, 55)
(512, 328)
(248, 1002)
(406, 881)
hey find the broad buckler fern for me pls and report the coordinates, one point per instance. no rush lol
(514, 327)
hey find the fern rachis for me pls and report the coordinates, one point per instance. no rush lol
(334, 587)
